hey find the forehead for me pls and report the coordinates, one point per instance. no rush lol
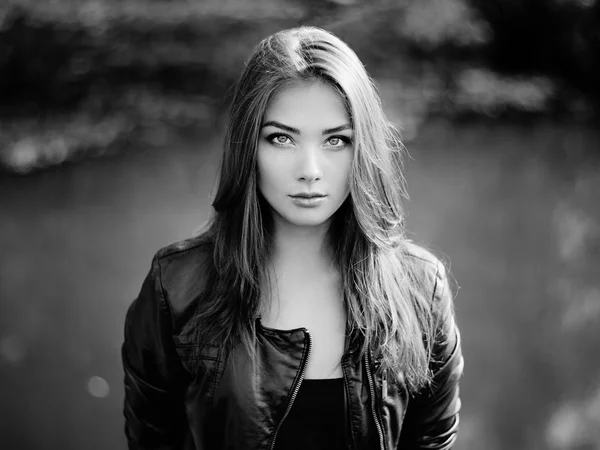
(308, 105)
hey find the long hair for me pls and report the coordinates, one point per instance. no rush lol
(387, 306)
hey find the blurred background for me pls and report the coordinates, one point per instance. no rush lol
(111, 121)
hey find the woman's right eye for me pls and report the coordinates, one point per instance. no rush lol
(279, 139)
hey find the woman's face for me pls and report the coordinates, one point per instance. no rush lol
(304, 154)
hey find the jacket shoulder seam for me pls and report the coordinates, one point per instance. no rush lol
(173, 249)
(423, 255)
(429, 261)
(433, 263)
(163, 299)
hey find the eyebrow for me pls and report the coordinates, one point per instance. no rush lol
(274, 123)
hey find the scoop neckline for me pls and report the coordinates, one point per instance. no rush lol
(322, 380)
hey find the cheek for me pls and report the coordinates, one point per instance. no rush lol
(342, 171)
(269, 173)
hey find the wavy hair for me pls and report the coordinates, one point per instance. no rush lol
(387, 306)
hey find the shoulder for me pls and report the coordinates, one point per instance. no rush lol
(420, 254)
(430, 281)
(183, 269)
(185, 253)
(425, 266)
(431, 277)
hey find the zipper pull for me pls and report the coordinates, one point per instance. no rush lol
(384, 385)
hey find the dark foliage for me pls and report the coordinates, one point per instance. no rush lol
(556, 38)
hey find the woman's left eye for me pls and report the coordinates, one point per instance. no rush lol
(338, 141)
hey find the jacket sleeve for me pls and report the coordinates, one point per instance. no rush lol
(432, 416)
(153, 407)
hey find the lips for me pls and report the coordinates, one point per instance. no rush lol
(308, 195)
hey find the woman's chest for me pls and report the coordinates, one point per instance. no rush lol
(318, 307)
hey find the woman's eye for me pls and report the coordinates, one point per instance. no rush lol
(279, 139)
(337, 141)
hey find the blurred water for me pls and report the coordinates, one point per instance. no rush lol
(514, 208)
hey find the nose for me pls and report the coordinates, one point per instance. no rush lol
(309, 165)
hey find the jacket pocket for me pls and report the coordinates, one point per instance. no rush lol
(200, 360)
(205, 352)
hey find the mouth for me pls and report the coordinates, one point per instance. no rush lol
(308, 195)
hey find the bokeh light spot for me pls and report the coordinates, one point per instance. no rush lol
(98, 387)
(586, 3)
(12, 350)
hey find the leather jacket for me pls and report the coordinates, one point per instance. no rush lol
(180, 394)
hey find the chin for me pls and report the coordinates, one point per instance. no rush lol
(307, 218)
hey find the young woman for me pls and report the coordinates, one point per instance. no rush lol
(301, 317)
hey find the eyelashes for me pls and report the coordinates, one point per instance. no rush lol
(343, 140)
(275, 139)
(283, 140)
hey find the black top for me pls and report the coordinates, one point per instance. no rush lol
(317, 418)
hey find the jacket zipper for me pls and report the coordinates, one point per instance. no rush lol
(373, 406)
(296, 389)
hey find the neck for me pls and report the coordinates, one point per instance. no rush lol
(303, 245)
(298, 253)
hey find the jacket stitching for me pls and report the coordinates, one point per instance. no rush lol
(438, 278)
(198, 358)
(166, 251)
(164, 303)
(428, 261)
(350, 406)
(194, 345)
(215, 375)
